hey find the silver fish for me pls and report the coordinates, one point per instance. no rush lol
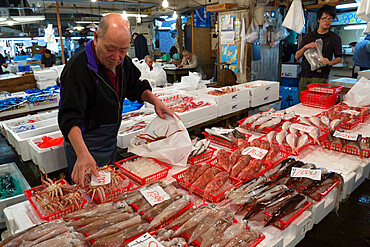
(280, 137)
(286, 125)
(335, 124)
(250, 120)
(259, 121)
(305, 121)
(269, 124)
(271, 136)
(302, 141)
(325, 120)
(292, 130)
(315, 121)
(314, 133)
(214, 133)
(292, 140)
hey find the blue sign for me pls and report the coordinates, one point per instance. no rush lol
(201, 18)
(347, 18)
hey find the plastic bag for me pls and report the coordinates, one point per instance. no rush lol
(358, 95)
(294, 19)
(314, 56)
(363, 10)
(158, 75)
(190, 82)
(252, 32)
(173, 150)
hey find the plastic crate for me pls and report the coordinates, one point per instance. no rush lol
(349, 149)
(29, 194)
(324, 88)
(284, 224)
(114, 194)
(363, 118)
(318, 196)
(202, 157)
(146, 180)
(222, 142)
(212, 198)
(318, 100)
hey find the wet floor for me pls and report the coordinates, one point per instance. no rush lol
(349, 228)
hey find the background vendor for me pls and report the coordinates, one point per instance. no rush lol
(190, 61)
(47, 59)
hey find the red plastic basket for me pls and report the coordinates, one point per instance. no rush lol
(318, 196)
(284, 224)
(212, 198)
(363, 118)
(318, 100)
(29, 194)
(222, 142)
(324, 88)
(344, 125)
(146, 180)
(114, 194)
(202, 157)
(349, 149)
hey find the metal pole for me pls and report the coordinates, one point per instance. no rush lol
(60, 33)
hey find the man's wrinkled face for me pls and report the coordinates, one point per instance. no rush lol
(186, 55)
(149, 62)
(112, 48)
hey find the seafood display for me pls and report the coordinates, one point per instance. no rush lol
(135, 127)
(229, 135)
(8, 186)
(134, 115)
(48, 142)
(187, 105)
(348, 143)
(222, 91)
(149, 138)
(200, 147)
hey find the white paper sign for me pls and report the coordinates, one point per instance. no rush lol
(278, 114)
(302, 127)
(227, 37)
(154, 194)
(254, 152)
(345, 135)
(103, 179)
(305, 173)
(145, 240)
(352, 112)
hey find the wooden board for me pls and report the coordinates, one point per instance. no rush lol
(221, 7)
(201, 46)
(18, 84)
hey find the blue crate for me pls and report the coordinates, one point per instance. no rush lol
(21, 57)
(289, 96)
(289, 82)
(25, 68)
(37, 56)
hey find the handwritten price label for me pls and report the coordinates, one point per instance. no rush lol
(305, 173)
(254, 152)
(103, 179)
(145, 240)
(154, 194)
(353, 112)
(277, 114)
(345, 135)
(302, 127)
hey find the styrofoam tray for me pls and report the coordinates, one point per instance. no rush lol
(240, 95)
(261, 88)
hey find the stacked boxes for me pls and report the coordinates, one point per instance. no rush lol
(45, 78)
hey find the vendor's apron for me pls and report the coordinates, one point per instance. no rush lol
(101, 143)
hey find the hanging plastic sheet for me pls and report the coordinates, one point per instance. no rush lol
(294, 19)
(363, 10)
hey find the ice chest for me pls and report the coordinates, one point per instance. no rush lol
(289, 96)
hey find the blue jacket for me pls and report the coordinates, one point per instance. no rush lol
(361, 55)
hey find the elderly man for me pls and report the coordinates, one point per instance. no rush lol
(149, 61)
(190, 61)
(94, 84)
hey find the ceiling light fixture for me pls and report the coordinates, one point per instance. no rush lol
(10, 21)
(93, 1)
(355, 27)
(79, 28)
(347, 6)
(174, 16)
(165, 4)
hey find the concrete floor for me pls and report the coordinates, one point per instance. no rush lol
(350, 228)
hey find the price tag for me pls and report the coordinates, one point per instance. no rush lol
(277, 114)
(154, 194)
(254, 152)
(302, 127)
(345, 135)
(145, 240)
(305, 173)
(353, 112)
(103, 179)
(221, 131)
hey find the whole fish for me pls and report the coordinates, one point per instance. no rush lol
(292, 130)
(289, 207)
(289, 116)
(168, 212)
(330, 138)
(320, 186)
(286, 125)
(249, 195)
(271, 136)
(305, 121)
(335, 124)
(250, 120)
(269, 124)
(302, 141)
(216, 230)
(316, 122)
(237, 134)
(292, 140)
(157, 209)
(202, 180)
(279, 167)
(215, 184)
(314, 133)
(107, 221)
(199, 172)
(259, 121)
(214, 133)
(223, 160)
(272, 153)
(236, 193)
(188, 175)
(250, 170)
(240, 165)
(280, 137)
(235, 156)
(325, 120)
(288, 167)
(356, 143)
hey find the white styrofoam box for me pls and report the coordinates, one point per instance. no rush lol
(349, 183)
(20, 108)
(17, 218)
(223, 110)
(324, 207)
(12, 130)
(48, 159)
(45, 103)
(124, 139)
(58, 69)
(167, 90)
(261, 88)
(45, 74)
(290, 70)
(21, 143)
(196, 121)
(17, 175)
(240, 95)
(361, 174)
(141, 118)
(47, 83)
(188, 117)
(294, 233)
(257, 101)
(35, 67)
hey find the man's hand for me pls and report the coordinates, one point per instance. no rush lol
(311, 45)
(179, 66)
(325, 61)
(83, 164)
(161, 109)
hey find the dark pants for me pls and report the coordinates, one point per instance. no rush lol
(101, 143)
